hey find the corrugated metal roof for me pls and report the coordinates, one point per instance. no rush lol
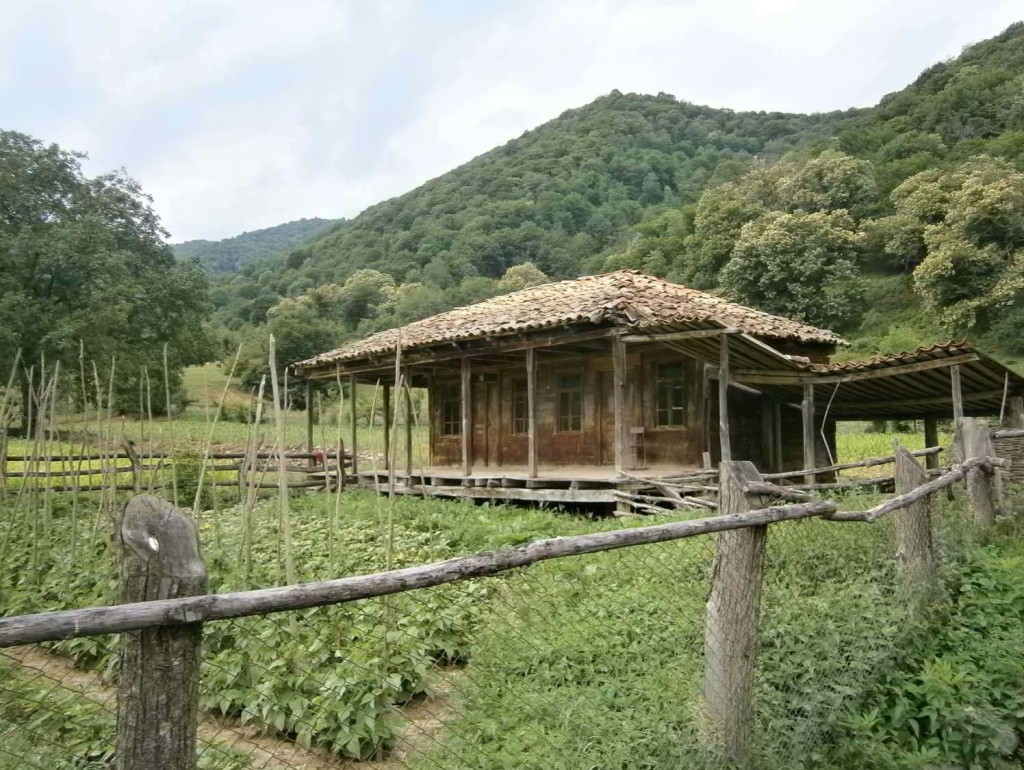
(625, 298)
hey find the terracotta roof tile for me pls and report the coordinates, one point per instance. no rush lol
(625, 297)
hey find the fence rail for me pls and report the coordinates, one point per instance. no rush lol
(251, 469)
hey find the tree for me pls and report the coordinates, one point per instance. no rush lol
(522, 277)
(721, 214)
(829, 182)
(799, 264)
(974, 244)
(84, 261)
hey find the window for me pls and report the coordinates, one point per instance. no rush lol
(451, 411)
(520, 406)
(669, 407)
(570, 402)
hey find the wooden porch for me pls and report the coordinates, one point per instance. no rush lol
(579, 484)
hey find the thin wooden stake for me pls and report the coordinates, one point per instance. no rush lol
(282, 479)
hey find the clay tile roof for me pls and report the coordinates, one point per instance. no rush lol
(936, 351)
(626, 297)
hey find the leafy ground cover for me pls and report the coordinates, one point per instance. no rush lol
(582, 662)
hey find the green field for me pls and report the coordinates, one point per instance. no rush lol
(583, 662)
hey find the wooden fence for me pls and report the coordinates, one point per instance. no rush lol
(128, 470)
(163, 577)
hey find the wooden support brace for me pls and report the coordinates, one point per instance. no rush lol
(309, 419)
(619, 400)
(957, 394)
(353, 419)
(809, 440)
(408, 427)
(467, 422)
(931, 438)
(531, 412)
(723, 399)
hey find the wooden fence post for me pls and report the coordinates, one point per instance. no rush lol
(1015, 418)
(914, 527)
(733, 614)
(931, 438)
(133, 458)
(975, 440)
(158, 690)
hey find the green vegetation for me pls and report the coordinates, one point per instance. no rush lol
(230, 254)
(956, 699)
(84, 271)
(579, 662)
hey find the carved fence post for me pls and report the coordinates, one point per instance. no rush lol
(733, 614)
(914, 528)
(976, 441)
(158, 690)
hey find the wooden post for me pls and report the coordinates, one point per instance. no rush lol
(619, 400)
(914, 527)
(1016, 414)
(386, 395)
(408, 430)
(354, 421)
(133, 458)
(723, 399)
(158, 688)
(780, 458)
(958, 395)
(931, 438)
(309, 423)
(767, 433)
(976, 441)
(467, 419)
(531, 412)
(807, 413)
(733, 614)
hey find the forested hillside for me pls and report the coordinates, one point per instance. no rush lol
(892, 224)
(230, 254)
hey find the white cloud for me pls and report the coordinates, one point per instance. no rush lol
(243, 115)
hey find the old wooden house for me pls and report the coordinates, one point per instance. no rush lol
(586, 384)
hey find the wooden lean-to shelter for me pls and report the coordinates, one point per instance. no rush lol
(566, 390)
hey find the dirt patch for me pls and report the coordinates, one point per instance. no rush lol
(423, 719)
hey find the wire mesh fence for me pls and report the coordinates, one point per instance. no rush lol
(636, 657)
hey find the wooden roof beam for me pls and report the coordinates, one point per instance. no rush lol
(379, 362)
(689, 334)
(768, 377)
(927, 401)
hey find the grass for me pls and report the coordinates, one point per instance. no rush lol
(593, 661)
(581, 662)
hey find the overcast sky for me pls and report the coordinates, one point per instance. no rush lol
(245, 114)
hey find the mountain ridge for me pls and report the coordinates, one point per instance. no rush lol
(227, 255)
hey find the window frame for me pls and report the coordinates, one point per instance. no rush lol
(672, 386)
(449, 395)
(519, 424)
(576, 394)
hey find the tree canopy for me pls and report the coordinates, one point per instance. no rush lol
(83, 263)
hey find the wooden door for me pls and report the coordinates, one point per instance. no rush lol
(605, 417)
(486, 424)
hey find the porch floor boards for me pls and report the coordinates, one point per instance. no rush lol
(565, 483)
